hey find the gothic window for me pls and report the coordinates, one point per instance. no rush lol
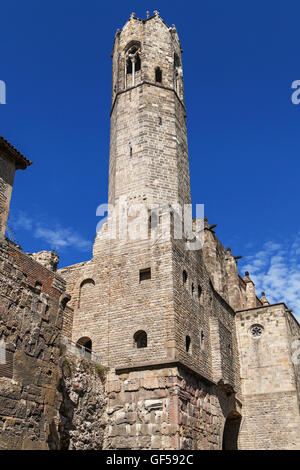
(129, 66)
(188, 347)
(133, 63)
(158, 75)
(84, 345)
(140, 339)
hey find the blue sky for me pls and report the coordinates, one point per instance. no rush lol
(240, 59)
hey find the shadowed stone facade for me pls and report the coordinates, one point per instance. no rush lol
(195, 360)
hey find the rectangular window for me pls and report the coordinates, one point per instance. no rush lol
(145, 274)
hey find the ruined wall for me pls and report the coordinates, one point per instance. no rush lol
(82, 411)
(30, 324)
(49, 399)
(271, 417)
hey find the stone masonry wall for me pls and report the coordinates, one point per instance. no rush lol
(271, 417)
(166, 408)
(30, 325)
(49, 399)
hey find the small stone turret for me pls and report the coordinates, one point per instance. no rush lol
(250, 291)
(264, 300)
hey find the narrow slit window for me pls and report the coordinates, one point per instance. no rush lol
(160, 121)
(188, 344)
(199, 291)
(202, 340)
(158, 75)
(184, 277)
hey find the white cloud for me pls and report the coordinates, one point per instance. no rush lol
(57, 237)
(275, 270)
(21, 221)
(62, 237)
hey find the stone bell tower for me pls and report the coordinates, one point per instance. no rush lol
(148, 142)
(147, 306)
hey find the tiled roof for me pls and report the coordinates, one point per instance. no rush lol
(21, 161)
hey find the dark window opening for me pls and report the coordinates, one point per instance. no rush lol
(176, 60)
(84, 344)
(130, 150)
(231, 431)
(184, 277)
(158, 75)
(38, 286)
(202, 339)
(199, 291)
(145, 274)
(128, 66)
(134, 57)
(137, 63)
(193, 288)
(188, 344)
(160, 121)
(140, 339)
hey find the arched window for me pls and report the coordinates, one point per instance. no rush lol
(86, 293)
(133, 63)
(188, 347)
(140, 339)
(84, 345)
(158, 75)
